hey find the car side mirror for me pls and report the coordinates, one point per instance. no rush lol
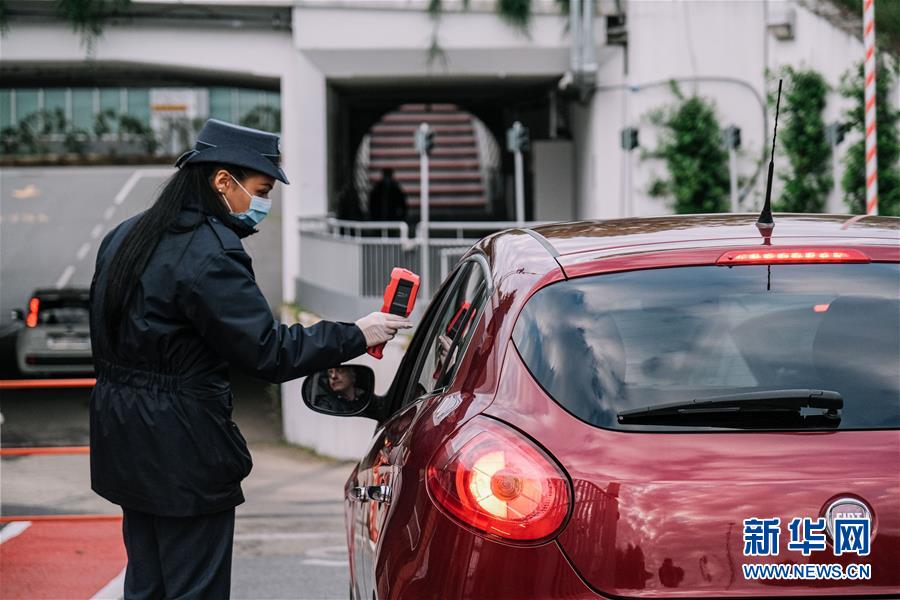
(16, 314)
(345, 391)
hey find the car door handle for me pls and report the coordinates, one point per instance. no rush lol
(358, 493)
(375, 493)
(379, 493)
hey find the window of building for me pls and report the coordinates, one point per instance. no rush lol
(249, 100)
(139, 105)
(83, 108)
(220, 103)
(26, 103)
(5, 108)
(111, 99)
(55, 105)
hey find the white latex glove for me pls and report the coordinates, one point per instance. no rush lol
(379, 327)
(443, 347)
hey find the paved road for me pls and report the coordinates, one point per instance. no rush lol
(52, 220)
(289, 540)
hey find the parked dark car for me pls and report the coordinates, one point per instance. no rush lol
(56, 337)
(622, 399)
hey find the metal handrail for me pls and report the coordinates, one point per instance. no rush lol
(334, 224)
(373, 255)
(401, 226)
(460, 226)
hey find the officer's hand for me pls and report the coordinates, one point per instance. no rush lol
(379, 327)
(443, 346)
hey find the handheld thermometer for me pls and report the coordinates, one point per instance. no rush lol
(399, 299)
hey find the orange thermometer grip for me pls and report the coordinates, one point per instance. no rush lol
(399, 299)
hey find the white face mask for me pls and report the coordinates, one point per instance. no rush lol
(259, 207)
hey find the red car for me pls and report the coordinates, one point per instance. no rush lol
(660, 407)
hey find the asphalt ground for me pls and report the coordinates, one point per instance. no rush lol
(289, 536)
(52, 220)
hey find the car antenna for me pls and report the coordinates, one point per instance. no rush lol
(766, 223)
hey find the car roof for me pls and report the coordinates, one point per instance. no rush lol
(60, 293)
(587, 236)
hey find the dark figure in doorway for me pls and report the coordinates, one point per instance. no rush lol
(387, 200)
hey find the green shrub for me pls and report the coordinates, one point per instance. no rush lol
(807, 178)
(690, 143)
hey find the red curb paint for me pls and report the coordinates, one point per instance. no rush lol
(26, 384)
(62, 560)
(45, 450)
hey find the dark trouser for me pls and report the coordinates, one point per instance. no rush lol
(178, 557)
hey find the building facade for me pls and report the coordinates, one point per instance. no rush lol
(333, 70)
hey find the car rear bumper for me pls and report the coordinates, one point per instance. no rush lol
(42, 363)
(451, 562)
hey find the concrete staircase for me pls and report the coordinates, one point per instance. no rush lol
(456, 186)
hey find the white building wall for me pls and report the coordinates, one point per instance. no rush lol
(385, 41)
(710, 42)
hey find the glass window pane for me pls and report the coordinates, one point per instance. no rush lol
(605, 344)
(453, 324)
(26, 103)
(111, 99)
(5, 108)
(248, 100)
(83, 108)
(139, 105)
(220, 103)
(55, 104)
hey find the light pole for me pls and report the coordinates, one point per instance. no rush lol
(629, 141)
(517, 142)
(424, 142)
(733, 142)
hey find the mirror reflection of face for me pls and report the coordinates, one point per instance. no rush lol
(342, 380)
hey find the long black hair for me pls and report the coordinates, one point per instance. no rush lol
(130, 260)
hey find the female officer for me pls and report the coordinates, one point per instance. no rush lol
(174, 303)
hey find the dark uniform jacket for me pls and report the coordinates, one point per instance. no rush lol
(162, 438)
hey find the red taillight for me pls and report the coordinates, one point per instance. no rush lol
(776, 256)
(495, 480)
(33, 305)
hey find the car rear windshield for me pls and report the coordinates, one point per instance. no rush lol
(64, 311)
(604, 344)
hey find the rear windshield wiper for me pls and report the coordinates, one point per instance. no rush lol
(771, 408)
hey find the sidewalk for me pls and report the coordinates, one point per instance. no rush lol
(289, 535)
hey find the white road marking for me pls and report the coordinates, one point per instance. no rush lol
(135, 177)
(119, 199)
(114, 590)
(324, 563)
(126, 189)
(82, 252)
(109, 212)
(65, 277)
(96, 231)
(13, 529)
(326, 556)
